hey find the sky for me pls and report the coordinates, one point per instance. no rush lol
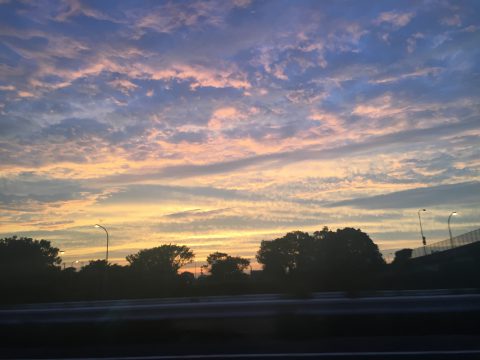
(218, 124)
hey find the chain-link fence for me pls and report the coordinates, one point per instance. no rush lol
(464, 239)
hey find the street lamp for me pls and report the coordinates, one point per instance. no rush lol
(106, 232)
(424, 241)
(449, 230)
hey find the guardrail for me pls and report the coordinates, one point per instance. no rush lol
(121, 311)
(457, 241)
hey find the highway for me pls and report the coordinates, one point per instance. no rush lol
(240, 306)
(416, 324)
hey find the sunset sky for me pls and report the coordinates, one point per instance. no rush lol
(217, 124)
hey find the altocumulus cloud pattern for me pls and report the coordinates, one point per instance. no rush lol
(216, 124)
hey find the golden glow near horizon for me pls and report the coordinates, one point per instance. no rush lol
(218, 124)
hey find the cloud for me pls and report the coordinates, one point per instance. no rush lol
(374, 143)
(7, 88)
(224, 118)
(380, 107)
(25, 94)
(73, 8)
(453, 20)
(50, 224)
(196, 213)
(27, 188)
(412, 41)
(16, 126)
(395, 18)
(171, 16)
(196, 137)
(149, 193)
(74, 128)
(467, 193)
(328, 121)
(235, 223)
(201, 76)
(123, 85)
(429, 71)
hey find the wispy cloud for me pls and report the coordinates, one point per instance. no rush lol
(395, 18)
(453, 194)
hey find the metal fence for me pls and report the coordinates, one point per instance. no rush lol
(464, 239)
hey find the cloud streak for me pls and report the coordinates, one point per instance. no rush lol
(453, 194)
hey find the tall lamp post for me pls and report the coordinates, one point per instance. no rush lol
(450, 230)
(106, 232)
(424, 240)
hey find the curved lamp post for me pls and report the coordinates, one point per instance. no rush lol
(106, 232)
(424, 241)
(449, 230)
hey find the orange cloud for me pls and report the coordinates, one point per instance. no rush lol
(379, 107)
(201, 76)
(224, 118)
(25, 94)
(328, 120)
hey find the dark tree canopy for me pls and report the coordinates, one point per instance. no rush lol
(285, 255)
(402, 256)
(355, 248)
(326, 255)
(225, 267)
(28, 255)
(95, 266)
(165, 259)
(29, 269)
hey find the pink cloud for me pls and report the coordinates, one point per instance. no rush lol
(397, 19)
(202, 76)
(224, 117)
(123, 85)
(173, 15)
(7, 88)
(412, 41)
(75, 7)
(453, 20)
(328, 120)
(25, 94)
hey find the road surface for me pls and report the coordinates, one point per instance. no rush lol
(406, 325)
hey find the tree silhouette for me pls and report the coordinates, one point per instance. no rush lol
(154, 272)
(222, 266)
(101, 279)
(165, 259)
(329, 259)
(300, 262)
(346, 258)
(285, 255)
(353, 249)
(27, 255)
(402, 256)
(29, 269)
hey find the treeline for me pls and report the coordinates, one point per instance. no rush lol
(297, 263)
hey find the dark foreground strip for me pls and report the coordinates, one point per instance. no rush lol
(367, 354)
